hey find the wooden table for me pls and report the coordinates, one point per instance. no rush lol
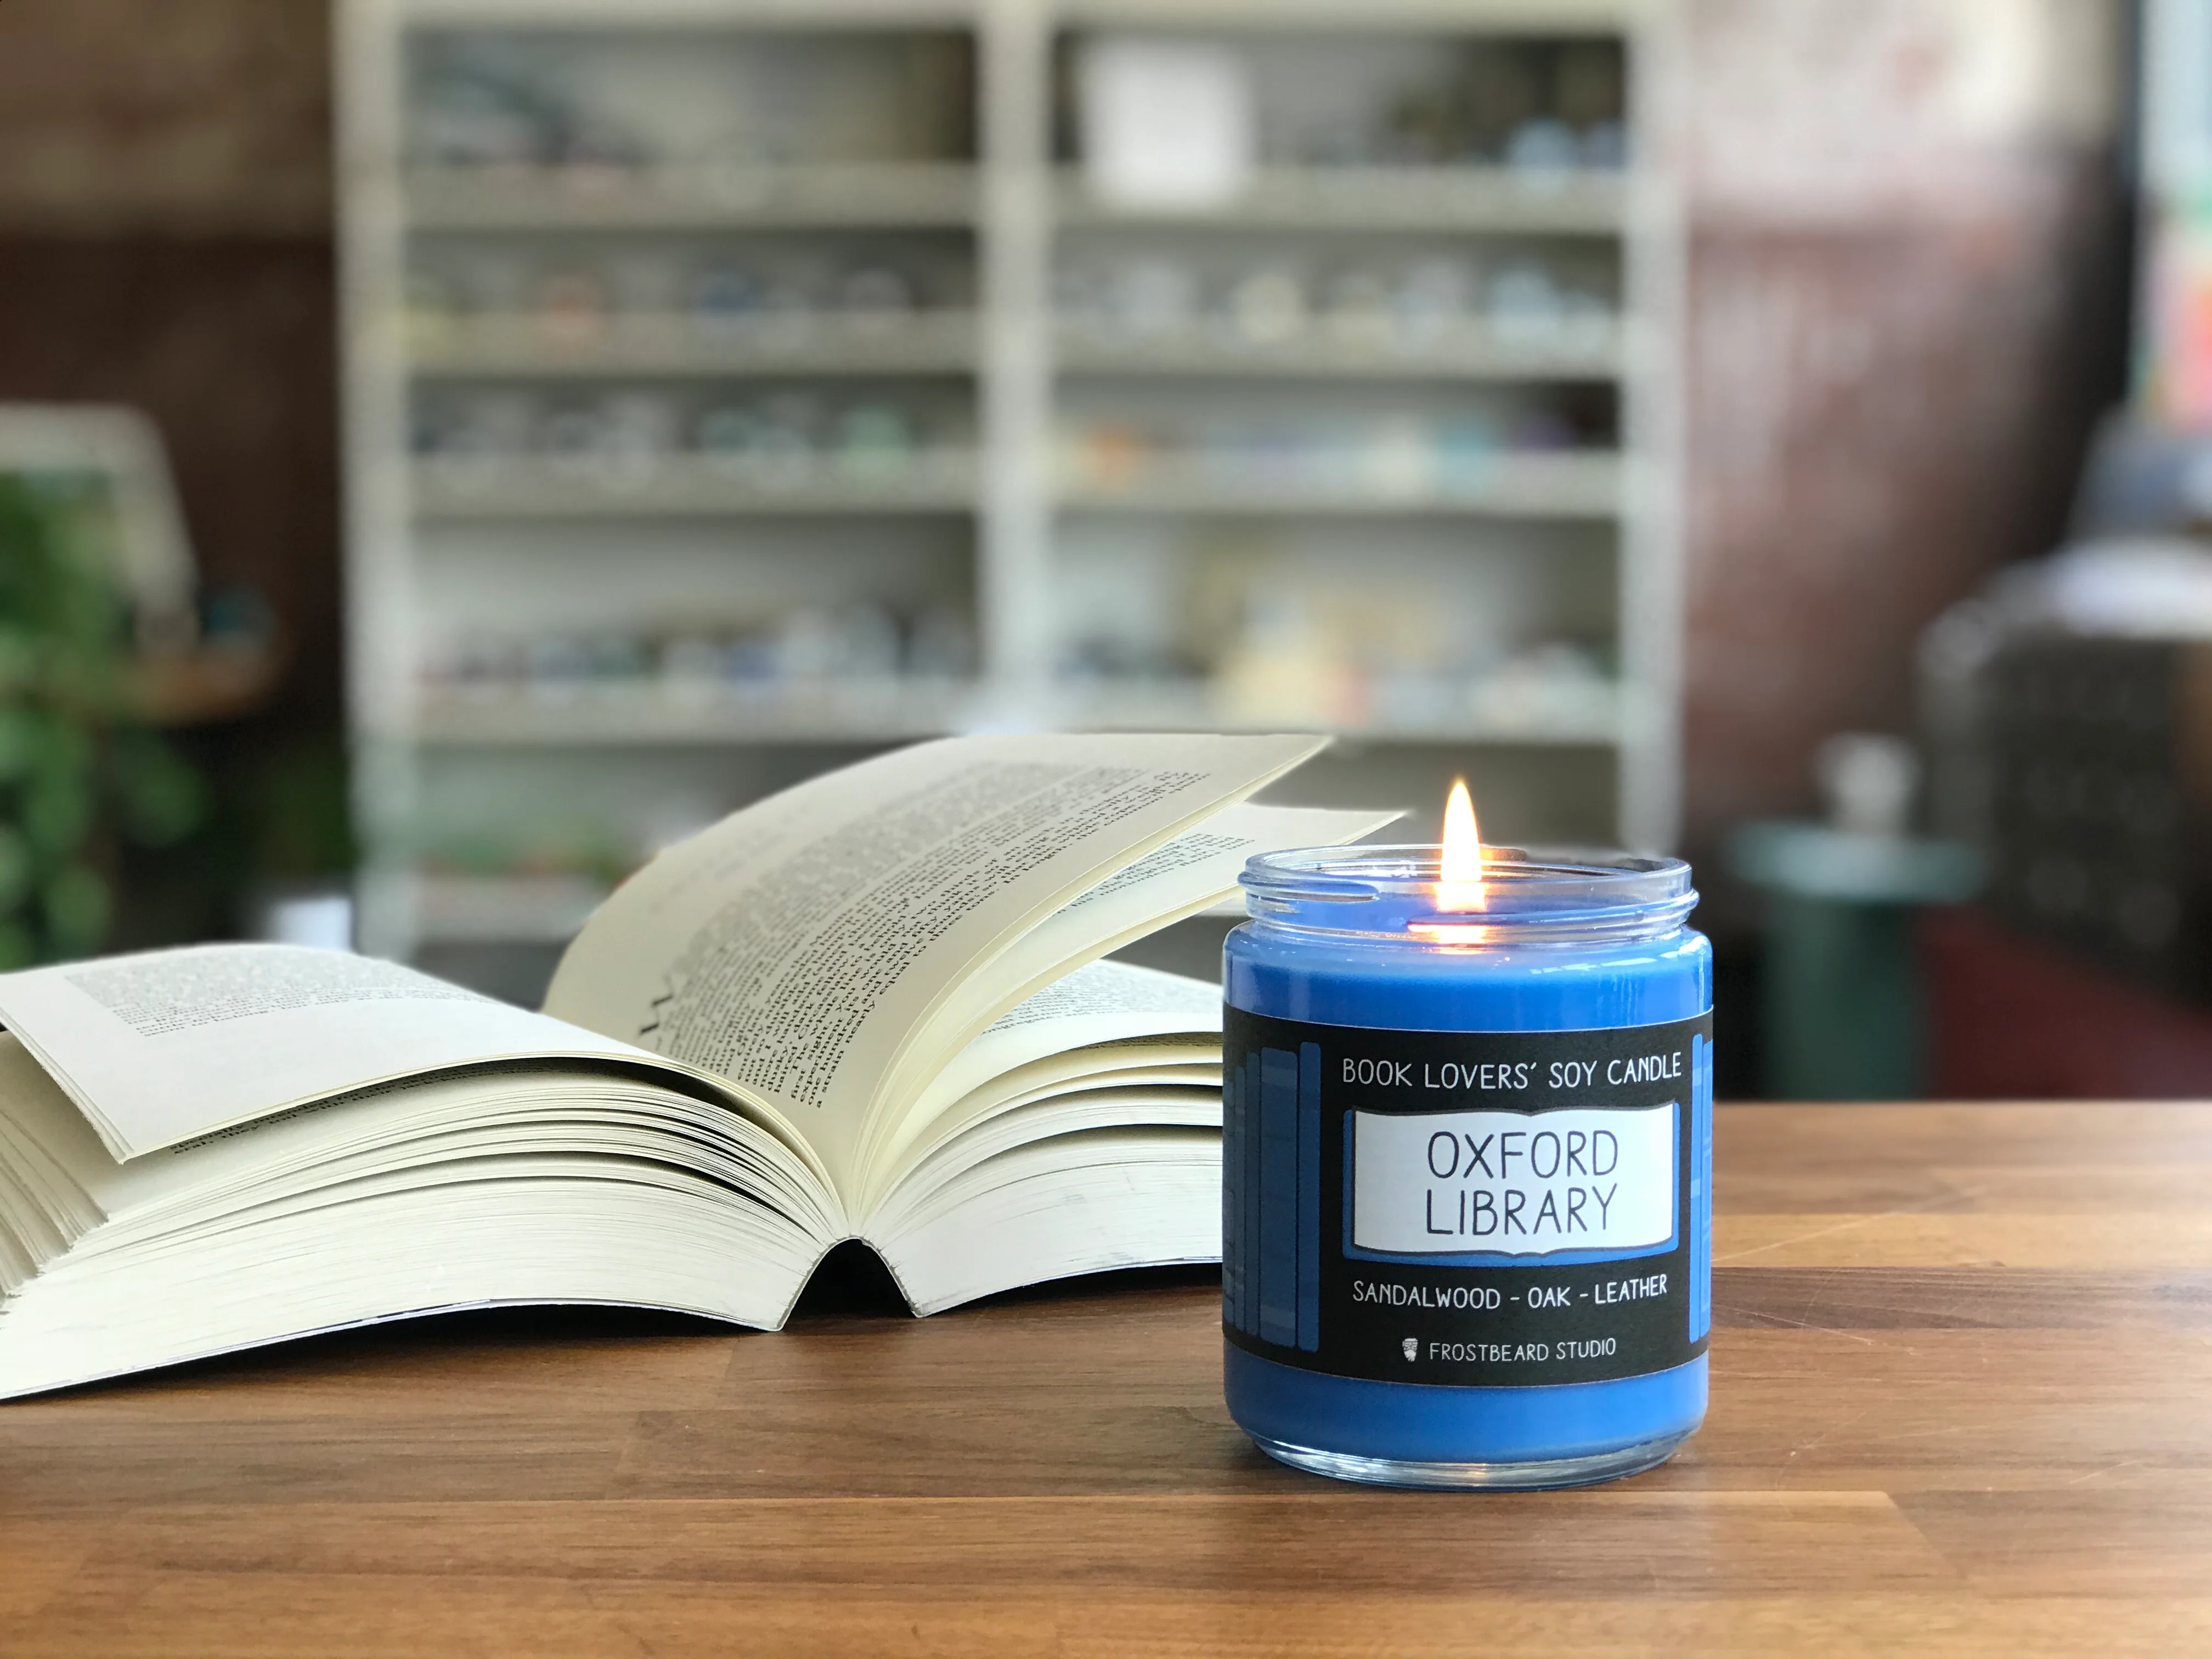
(1962, 1403)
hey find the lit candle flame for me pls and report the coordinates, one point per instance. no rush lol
(1458, 869)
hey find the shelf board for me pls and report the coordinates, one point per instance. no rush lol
(1545, 18)
(1412, 198)
(692, 16)
(893, 195)
(1587, 353)
(668, 348)
(646, 713)
(1138, 709)
(686, 487)
(1578, 486)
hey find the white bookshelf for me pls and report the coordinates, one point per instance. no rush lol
(636, 535)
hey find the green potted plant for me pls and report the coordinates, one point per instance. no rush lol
(82, 771)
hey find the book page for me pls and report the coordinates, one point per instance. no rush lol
(1181, 878)
(797, 946)
(1191, 874)
(1101, 1003)
(166, 1046)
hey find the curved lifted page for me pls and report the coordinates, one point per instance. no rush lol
(166, 1046)
(798, 946)
(1101, 1003)
(1178, 878)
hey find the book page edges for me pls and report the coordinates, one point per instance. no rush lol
(592, 1051)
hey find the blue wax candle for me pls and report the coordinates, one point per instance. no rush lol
(1467, 1153)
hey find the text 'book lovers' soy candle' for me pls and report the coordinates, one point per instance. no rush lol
(1467, 1156)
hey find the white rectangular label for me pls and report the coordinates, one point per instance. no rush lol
(1513, 1183)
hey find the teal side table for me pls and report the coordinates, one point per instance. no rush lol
(1843, 1014)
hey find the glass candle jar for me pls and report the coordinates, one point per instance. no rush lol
(1467, 1153)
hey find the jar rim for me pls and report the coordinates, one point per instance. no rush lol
(1393, 891)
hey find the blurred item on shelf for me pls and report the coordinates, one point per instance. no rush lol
(1432, 300)
(315, 915)
(1263, 643)
(507, 102)
(620, 443)
(1266, 307)
(541, 885)
(726, 299)
(574, 311)
(864, 642)
(873, 439)
(1400, 457)
(1167, 123)
(489, 103)
(1151, 298)
(1287, 665)
(770, 442)
(570, 308)
(879, 296)
(1357, 309)
(1556, 683)
(1180, 123)
(560, 845)
(1412, 310)
(627, 442)
(644, 282)
(1289, 673)
(1535, 106)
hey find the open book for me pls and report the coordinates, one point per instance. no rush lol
(872, 1006)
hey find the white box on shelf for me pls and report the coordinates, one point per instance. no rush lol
(1167, 123)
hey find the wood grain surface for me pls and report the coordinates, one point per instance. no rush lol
(1962, 1404)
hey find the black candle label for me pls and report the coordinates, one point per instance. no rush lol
(1475, 1209)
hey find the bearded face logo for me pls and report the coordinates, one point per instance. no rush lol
(1412, 1345)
